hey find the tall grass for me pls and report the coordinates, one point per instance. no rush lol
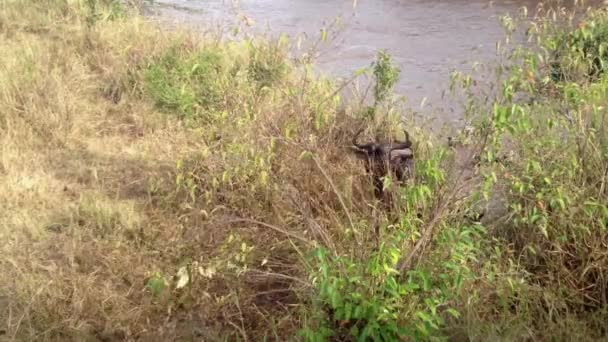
(164, 185)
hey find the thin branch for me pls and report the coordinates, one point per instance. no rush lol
(275, 228)
(279, 276)
(443, 205)
(335, 190)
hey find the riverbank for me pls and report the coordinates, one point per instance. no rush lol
(163, 185)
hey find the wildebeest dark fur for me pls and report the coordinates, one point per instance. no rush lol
(382, 159)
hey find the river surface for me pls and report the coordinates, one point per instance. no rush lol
(427, 38)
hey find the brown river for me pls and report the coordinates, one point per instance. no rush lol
(427, 38)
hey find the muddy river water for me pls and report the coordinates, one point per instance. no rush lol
(427, 38)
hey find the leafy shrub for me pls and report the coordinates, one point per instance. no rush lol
(547, 160)
(370, 300)
(370, 295)
(582, 53)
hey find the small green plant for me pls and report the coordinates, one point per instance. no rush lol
(360, 300)
(386, 74)
(267, 64)
(156, 284)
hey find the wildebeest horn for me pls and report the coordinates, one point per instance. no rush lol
(362, 149)
(354, 141)
(403, 144)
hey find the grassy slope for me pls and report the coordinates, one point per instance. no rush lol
(91, 214)
(75, 168)
(158, 185)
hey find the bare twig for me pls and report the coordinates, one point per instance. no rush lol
(266, 225)
(278, 276)
(304, 209)
(406, 263)
(337, 91)
(243, 330)
(26, 312)
(439, 213)
(335, 190)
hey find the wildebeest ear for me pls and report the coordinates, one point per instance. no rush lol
(360, 152)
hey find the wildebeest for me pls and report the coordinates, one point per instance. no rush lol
(382, 159)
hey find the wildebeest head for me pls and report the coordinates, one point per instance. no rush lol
(382, 158)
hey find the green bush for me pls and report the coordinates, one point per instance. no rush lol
(546, 160)
(193, 86)
(581, 53)
(370, 300)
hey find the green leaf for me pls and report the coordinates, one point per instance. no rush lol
(543, 229)
(453, 312)
(427, 282)
(348, 311)
(423, 316)
(156, 284)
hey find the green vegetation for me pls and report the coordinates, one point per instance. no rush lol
(164, 185)
(581, 52)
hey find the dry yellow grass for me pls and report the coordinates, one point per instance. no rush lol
(75, 166)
